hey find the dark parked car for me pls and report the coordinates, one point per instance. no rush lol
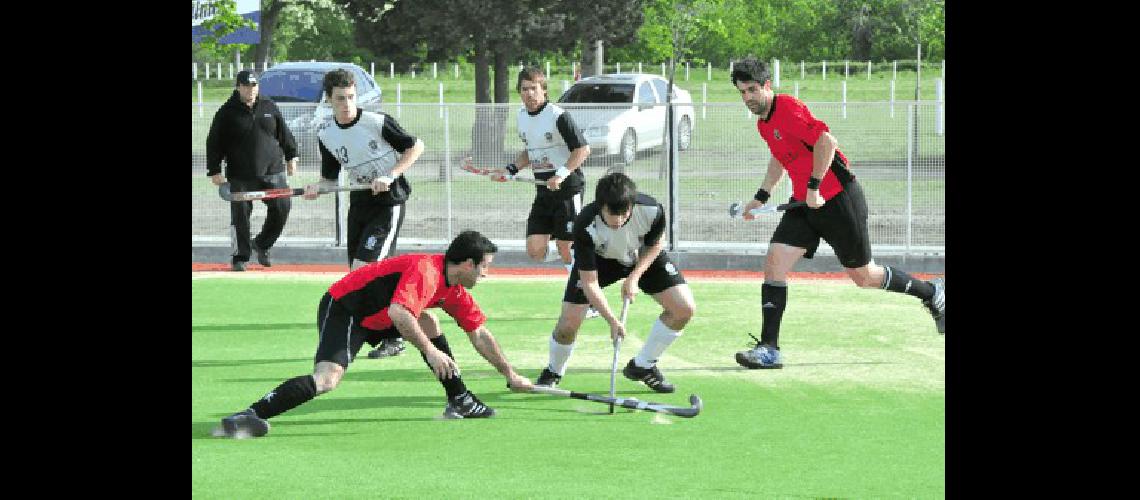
(296, 88)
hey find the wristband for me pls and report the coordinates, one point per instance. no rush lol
(813, 183)
(512, 169)
(385, 179)
(562, 172)
(761, 196)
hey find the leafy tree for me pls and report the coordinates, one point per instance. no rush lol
(225, 20)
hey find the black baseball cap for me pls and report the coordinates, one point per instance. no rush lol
(246, 77)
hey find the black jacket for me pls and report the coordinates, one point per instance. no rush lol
(250, 140)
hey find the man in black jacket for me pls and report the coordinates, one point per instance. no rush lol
(249, 132)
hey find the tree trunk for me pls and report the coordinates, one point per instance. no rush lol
(266, 28)
(482, 150)
(498, 122)
(587, 58)
(482, 75)
(502, 75)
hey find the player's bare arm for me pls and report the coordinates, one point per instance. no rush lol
(771, 177)
(597, 299)
(823, 153)
(487, 347)
(409, 327)
(410, 155)
(577, 157)
(629, 287)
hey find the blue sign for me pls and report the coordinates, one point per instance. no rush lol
(249, 9)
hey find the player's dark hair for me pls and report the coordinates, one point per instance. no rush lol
(469, 245)
(337, 78)
(750, 69)
(616, 191)
(533, 74)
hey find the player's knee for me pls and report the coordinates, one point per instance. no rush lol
(327, 380)
(565, 335)
(863, 279)
(682, 313)
(429, 324)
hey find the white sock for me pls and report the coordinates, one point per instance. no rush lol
(551, 252)
(559, 355)
(660, 337)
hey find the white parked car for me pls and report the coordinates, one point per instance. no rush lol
(629, 115)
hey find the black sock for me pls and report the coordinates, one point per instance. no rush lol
(773, 299)
(454, 386)
(901, 282)
(290, 394)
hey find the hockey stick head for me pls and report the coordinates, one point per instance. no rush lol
(736, 210)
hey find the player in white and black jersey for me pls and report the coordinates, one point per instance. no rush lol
(555, 149)
(620, 235)
(373, 149)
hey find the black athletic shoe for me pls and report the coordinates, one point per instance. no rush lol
(237, 265)
(548, 378)
(651, 376)
(262, 255)
(244, 424)
(937, 304)
(466, 405)
(387, 347)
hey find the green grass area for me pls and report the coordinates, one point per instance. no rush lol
(813, 87)
(858, 410)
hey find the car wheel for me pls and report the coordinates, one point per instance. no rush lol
(684, 134)
(628, 149)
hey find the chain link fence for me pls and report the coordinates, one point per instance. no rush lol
(896, 150)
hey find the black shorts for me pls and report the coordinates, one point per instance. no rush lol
(550, 215)
(341, 337)
(660, 276)
(372, 231)
(842, 222)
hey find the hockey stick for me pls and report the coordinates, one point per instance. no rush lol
(633, 404)
(467, 167)
(617, 348)
(224, 192)
(736, 211)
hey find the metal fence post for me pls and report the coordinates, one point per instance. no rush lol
(200, 99)
(844, 82)
(909, 175)
(447, 164)
(704, 100)
(938, 108)
(892, 98)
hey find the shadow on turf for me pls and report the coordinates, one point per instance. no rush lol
(217, 363)
(253, 326)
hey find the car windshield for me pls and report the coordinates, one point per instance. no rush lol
(291, 86)
(599, 92)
